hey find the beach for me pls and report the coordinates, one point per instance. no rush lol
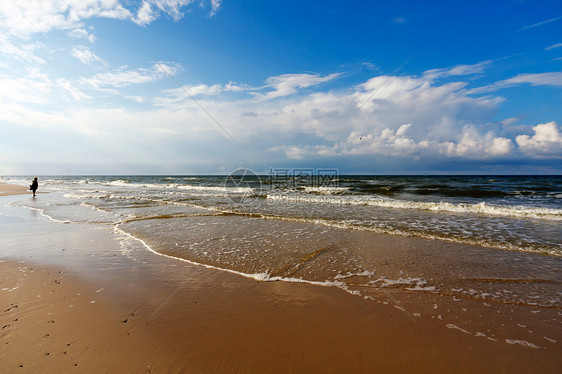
(12, 189)
(87, 297)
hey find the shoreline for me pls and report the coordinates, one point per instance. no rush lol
(181, 316)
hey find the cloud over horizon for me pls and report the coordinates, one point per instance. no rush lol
(105, 101)
(394, 116)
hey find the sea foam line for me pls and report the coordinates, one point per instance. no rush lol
(480, 208)
(379, 230)
(262, 277)
(343, 225)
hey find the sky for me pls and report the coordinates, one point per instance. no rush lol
(208, 86)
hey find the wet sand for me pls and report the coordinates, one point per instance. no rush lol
(72, 298)
(12, 189)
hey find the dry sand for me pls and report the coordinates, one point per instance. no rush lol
(72, 299)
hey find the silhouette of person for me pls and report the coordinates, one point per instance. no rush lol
(34, 185)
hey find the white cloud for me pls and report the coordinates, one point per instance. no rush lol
(24, 18)
(72, 90)
(177, 98)
(390, 142)
(124, 76)
(279, 86)
(85, 55)
(539, 79)
(215, 5)
(539, 23)
(546, 142)
(35, 88)
(554, 46)
(82, 33)
(145, 15)
(474, 145)
(457, 70)
(201, 89)
(22, 51)
(509, 121)
(398, 116)
(536, 79)
(287, 84)
(412, 117)
(150, 10)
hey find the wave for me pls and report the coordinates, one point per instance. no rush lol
(181, 186)
(410, 284)
(479, 208)
(387, 230)
(470, 192)
(243, 190)
(326, 190)
(263, 277)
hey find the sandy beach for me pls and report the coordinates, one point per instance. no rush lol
(12, 189)
(73, 298)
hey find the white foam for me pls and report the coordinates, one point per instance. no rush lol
(480, 208)
(398, 232)
(524, 343)
(414, 284)
(262, 277)
(455, 327)
(325, 190)
(120, 182)
(365, 273)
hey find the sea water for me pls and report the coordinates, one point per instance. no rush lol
(354, 232)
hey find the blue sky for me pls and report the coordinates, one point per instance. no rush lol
(205, 87)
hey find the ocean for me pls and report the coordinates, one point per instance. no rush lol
(354, 232)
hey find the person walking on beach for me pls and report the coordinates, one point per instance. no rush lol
(34, 185)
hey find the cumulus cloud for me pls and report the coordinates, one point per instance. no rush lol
(546, 142)
(475, 145)
(471, 144)
(386, 115)
(295, 115)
